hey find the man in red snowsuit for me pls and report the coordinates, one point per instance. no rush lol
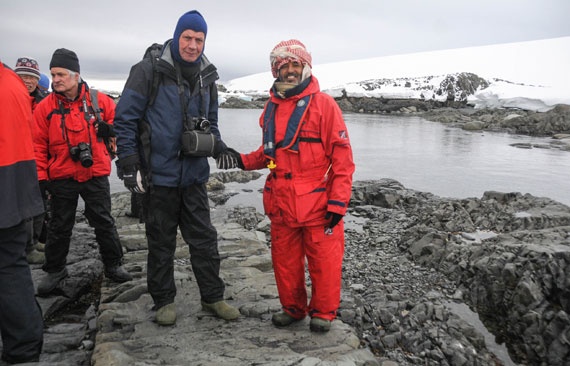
(74, 160)
(307, 149)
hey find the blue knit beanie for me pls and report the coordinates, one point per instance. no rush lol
(191, 20)
(44, 82)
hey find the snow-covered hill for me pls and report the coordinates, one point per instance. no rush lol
(528, 75)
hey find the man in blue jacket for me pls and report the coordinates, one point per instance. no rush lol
(157, 127)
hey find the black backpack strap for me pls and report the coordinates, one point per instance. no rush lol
(109, 140)
(156, 78)
(95, 104)
(153, 52)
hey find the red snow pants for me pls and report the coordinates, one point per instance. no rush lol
(324, 253)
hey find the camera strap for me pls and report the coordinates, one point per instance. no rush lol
(62, 111)
(86, 114)
(95, 105)
(186, 121)
(188, 125)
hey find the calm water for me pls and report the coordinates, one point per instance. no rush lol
(424, 156)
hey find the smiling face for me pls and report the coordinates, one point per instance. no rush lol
(30, 81)
(191, 45)
(291, 72)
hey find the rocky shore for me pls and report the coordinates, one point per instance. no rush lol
(504, 255)
(418, 269)
(415, 266)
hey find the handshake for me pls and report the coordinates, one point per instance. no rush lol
(229, 159)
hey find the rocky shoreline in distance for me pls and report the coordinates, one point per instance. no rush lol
(554, 123)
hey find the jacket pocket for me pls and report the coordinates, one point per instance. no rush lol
(60, 165)
(310, 201)
(268, 198)
(311, 150)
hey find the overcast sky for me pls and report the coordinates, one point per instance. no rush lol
(110, 36)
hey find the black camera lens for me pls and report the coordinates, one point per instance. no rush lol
(204, 124)
(82, 153)
(86, 159)
(200, 123)
(85, 154)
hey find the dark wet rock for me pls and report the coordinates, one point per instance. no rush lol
(409, 255)
(555, 122)
(216, 187)
(506, 253)
(237, 103)
(238, 176)
(69, 313)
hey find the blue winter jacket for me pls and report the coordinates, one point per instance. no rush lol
(155, 133)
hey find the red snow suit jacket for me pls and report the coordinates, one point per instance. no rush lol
(315, 178)
(20, 196)
(61, 124)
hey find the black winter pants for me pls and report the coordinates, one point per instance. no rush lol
(64, 198)
(38, 226)
(167, 209)
(21, 321)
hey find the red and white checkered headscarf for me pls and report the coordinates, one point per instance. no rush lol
(287, 51)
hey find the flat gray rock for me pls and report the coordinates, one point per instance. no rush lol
(128, 335)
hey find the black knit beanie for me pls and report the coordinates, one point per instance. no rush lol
(66, 59)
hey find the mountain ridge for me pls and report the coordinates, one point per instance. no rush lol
(530, 75)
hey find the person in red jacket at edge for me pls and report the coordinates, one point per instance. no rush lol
(73, 158)
(28, 70)
(307, 150)
(21, 322)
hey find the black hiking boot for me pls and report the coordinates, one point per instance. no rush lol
(50, 282)
(117, 274)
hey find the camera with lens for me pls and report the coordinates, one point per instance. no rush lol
(200, 123)
(198, 140)
(82, 153)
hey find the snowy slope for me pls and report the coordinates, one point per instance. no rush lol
(530, 75)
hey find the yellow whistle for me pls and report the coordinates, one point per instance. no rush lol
(271, 164)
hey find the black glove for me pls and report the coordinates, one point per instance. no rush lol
(104, 129)
(133, 179)
(128, 169)
(229, 159)
(219, 147)
(334, 220)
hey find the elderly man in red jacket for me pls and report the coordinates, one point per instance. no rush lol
(308, 188)
(28, 70)
(69, 139)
